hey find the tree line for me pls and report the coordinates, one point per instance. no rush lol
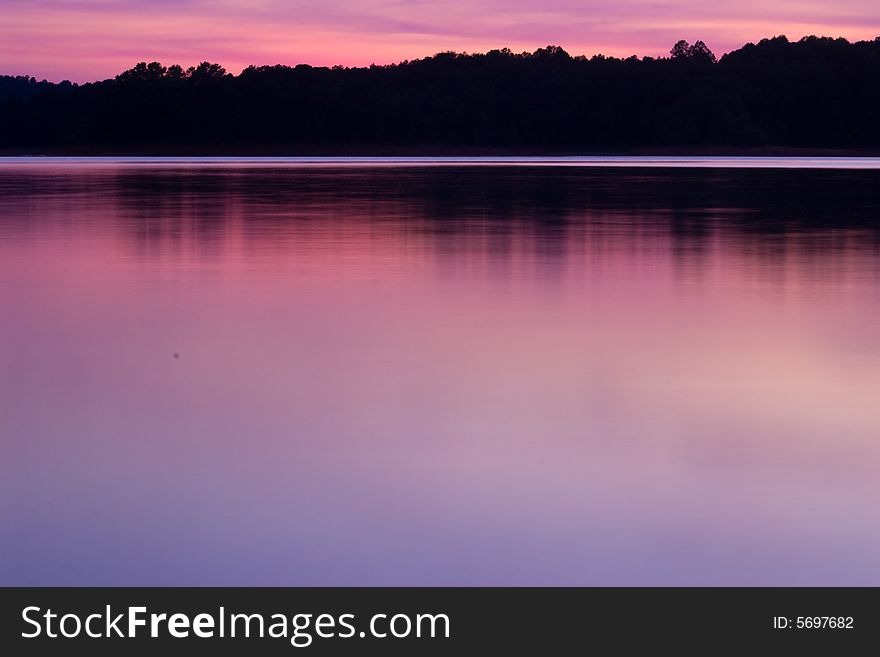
(817, 92)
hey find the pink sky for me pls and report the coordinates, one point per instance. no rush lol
(85, 40)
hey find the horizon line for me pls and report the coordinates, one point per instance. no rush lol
(436, 54)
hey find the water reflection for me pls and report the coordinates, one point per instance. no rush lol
(438, 376)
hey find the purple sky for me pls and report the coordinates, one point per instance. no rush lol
(93, 39)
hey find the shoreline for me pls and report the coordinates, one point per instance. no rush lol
(431, 151)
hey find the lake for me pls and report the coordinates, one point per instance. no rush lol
(303, 371)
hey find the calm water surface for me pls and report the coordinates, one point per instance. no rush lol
(288, 374)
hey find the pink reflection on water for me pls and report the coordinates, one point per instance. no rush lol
(378, 388)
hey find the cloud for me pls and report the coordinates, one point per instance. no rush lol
(89, 39)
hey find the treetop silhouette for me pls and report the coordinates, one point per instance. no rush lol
(816, 92)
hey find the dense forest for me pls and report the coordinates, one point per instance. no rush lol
(814, 93)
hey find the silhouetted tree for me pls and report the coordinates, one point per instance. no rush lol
(143, 72)
(551, 52)
(698, 52)
(816, 92)
(175, 72)
(681, 50)
(206, 72)
(701, 52)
